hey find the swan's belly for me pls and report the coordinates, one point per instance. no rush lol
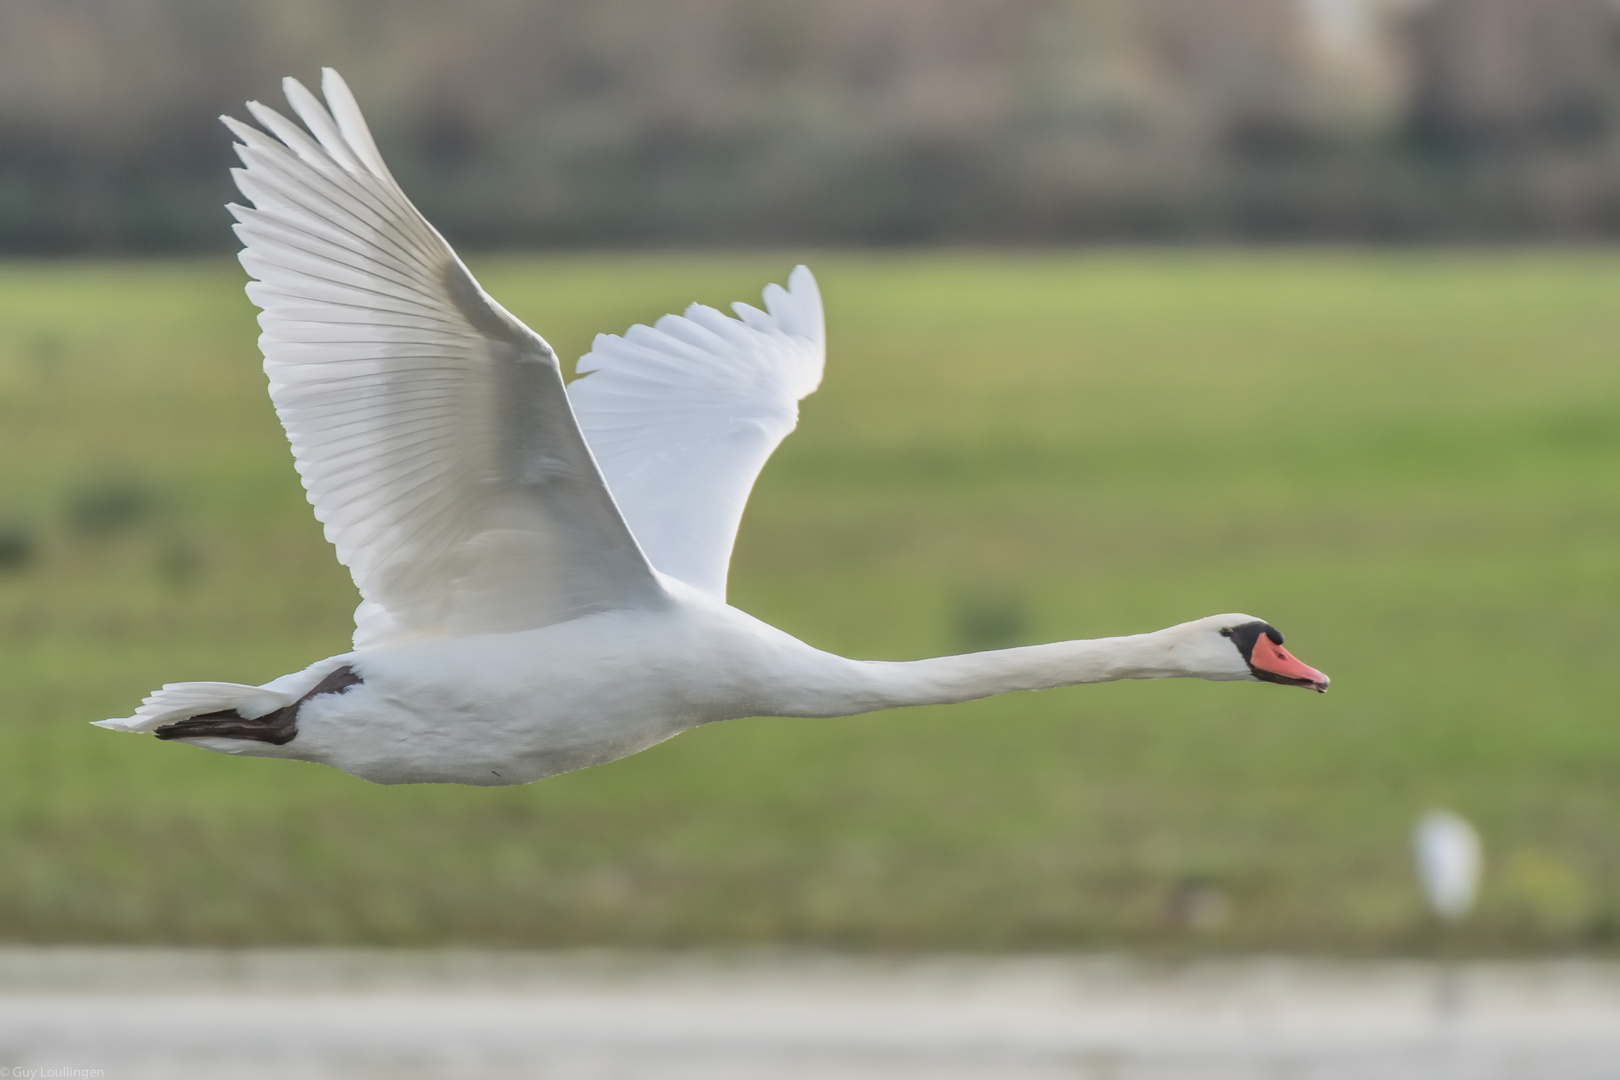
(511, 708)
(388, 744)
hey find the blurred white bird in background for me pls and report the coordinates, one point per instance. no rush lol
(1448, 855)
(1447, 852)
(543, 568)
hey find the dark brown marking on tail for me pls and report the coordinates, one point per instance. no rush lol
(279, 727)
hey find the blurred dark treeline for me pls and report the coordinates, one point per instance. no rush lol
(515, 122)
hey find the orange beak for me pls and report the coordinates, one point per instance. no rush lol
(1270, 657)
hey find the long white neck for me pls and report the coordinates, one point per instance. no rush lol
(839, 687)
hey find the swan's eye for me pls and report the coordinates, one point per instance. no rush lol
(1226, 631)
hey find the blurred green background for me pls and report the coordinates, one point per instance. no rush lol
(1408, 462)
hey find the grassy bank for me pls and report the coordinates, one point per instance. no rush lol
(1410, 463)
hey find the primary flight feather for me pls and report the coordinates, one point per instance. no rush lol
(542, 568)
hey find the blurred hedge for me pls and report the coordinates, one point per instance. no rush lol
(841, 121)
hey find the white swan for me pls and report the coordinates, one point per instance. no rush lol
(543, 570)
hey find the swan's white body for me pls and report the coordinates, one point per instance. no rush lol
(511, 708)
(542, 569)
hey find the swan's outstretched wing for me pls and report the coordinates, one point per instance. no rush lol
(430, 427)
(682, 415)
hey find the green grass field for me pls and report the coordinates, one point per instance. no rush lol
(1409, 462)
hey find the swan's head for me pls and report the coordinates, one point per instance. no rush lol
(1230, 647)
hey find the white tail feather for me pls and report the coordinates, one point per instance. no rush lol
(181, 701)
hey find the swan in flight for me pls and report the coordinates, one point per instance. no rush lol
(542, 567)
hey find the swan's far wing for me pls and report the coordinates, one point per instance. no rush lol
(682, 415)
(431, 428)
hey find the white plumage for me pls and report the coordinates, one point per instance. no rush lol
(543, 570)
(428, 425)
(682, 415)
